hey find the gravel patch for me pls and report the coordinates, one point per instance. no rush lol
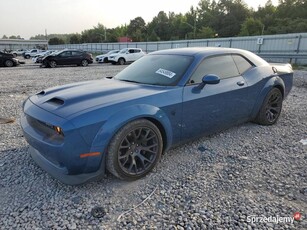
(215, 182)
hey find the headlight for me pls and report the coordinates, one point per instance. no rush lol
(58, 130)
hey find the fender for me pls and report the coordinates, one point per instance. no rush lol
(274, 81)
(127, 114)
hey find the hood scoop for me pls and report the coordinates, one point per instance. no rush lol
(55, 101)
(41, 93)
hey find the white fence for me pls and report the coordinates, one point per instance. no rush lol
(279, 48)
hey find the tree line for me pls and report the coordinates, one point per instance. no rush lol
(210, 18)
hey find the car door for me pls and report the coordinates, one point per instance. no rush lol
(130, 55)
(61, 58)
(218, 106)
(76, 57)
(137, 54)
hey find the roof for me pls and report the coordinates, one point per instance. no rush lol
(202, 52)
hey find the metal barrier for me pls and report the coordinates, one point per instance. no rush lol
(281, 48)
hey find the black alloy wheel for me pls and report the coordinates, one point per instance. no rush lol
(271, 108)
(134, 150)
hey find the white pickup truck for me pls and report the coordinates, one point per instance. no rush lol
(31, 53)
(126, 55)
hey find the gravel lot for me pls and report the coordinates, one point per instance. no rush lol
(216, 182)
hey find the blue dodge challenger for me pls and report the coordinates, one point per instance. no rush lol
(123, 124)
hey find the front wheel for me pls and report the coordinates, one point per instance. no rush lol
(8, 63)
(84, 63)
(121, 61)
(271, 108)
(52, 64)
(27, 56)
(134, 150)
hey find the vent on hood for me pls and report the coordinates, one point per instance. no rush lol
(55, 101)
(41, 93)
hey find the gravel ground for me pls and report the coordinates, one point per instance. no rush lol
(216, 182)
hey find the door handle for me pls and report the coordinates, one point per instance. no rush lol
(240, 83)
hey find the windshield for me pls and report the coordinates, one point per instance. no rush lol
(123, 51)
(58, 52)
(156, 70)
(113, 52)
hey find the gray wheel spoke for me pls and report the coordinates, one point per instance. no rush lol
(148, 149)
(138, 150)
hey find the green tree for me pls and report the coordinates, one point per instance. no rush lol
(137, 29)
(75, 39)
(267, 16)
(206, 32)
(251, 27)
(56, 41)
(160, 25)
(230, 16)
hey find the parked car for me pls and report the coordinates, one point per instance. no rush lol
(103, 58)
(126, 55)
(123, 124)
(31, 53)
(18, 52)
(39, 57)
(8, 60)
(67, 57)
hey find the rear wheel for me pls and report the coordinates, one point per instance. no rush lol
(52, 64)
(121, 61)
(84, 63)
(271, 108)
(8, 63)
(134, 150)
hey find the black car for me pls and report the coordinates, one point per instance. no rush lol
(67, 57)
(8, 60)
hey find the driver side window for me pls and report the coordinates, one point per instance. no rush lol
(222, 66)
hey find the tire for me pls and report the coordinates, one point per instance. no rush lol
(271, 108)
(27, 56)
(121, 61)
(134, 150)
(84, 63)
(8, 63)
(52, 64)
(105, 60)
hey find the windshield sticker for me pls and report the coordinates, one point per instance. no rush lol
(166, 73)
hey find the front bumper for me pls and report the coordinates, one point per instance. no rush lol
(61, 173)
(60, 156)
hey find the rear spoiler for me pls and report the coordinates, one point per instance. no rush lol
(281, 68)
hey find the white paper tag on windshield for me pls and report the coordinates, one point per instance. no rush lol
(166, 73)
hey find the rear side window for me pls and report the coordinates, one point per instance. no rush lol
(222, 66)
(242, 64)
(76, 53)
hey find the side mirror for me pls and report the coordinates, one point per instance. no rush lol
(210, 79)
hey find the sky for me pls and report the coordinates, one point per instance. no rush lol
(31, 17)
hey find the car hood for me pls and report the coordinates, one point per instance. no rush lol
(67, 100)
(100, 56)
